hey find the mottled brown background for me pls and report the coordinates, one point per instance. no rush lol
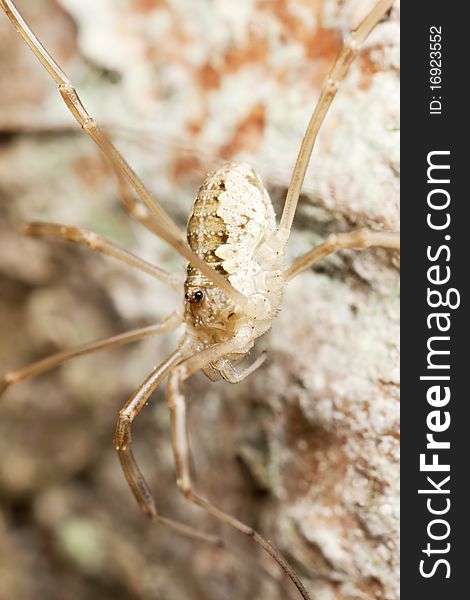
(306, 449)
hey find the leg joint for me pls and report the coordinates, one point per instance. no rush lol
(11, 377)
(365, 237)
(89, 124)
(350, 44)
(123, 435)
(332, 240)
(67, 90)
(184, 485)
(6, 381)
(331, 86)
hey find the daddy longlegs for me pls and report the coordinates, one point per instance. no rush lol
(233, 285)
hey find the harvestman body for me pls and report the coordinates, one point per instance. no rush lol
(234, 281)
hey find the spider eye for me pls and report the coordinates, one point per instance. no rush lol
(194, 296)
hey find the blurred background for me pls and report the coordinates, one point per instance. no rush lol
(306, 449)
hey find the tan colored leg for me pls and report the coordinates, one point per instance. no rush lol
(231, 374)
(96, 242)
(182, 452)
(45, 364)
(123, 440)
(359, 239)
(348, 53)
(162, 224)
(78, 110)
(134, 477)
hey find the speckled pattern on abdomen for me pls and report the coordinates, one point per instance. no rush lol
(231, 215)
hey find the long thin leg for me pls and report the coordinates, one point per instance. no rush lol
(163, 225)
(96, 242)
(359, 239)
(182, 451)
(123, 440)
(134, 477)
(348, 53)
(74, 104)
(45, 364)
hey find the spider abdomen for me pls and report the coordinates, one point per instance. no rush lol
(232, 215)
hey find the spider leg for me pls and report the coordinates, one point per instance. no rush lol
(182, 451)
(96, 242)
(211, 373)
(233, 375)
(74, 104)
(134, 477)
(50, 362)
(338, 72)
(162, 224)
(359, 239)
(123, 440)
(228, 371)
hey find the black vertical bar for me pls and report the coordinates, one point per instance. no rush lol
(424, 131)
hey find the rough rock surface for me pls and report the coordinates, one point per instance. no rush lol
(306, 449)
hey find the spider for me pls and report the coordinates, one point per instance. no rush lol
(233, 285)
